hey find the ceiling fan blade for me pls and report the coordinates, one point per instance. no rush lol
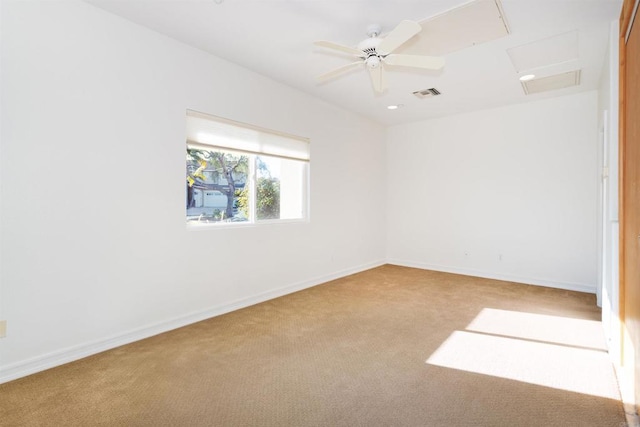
(378, 79)
(338, 71)
(417, 61)
(341, 48)
(403, 32)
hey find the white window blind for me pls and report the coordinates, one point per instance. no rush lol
(210, 132)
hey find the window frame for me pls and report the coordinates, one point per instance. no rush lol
(251, 178)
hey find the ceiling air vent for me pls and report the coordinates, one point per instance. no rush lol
(427, 93)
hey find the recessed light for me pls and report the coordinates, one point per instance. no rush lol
(527, 77)
(394, 107)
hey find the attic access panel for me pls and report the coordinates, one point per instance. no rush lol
(543, 53)
(555, 82)
(465, 26)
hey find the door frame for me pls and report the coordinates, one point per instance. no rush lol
(629, 345)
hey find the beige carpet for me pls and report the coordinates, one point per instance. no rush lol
(391, 346)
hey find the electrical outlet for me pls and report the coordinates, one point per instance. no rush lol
(3, 328)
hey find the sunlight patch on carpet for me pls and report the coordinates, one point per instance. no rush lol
(550, 351)
(540, 327)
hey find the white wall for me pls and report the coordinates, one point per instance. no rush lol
(95, 251)
(508, 193)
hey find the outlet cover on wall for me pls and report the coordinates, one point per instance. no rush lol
(3, 328)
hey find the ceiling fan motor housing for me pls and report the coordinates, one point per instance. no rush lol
(369, 44)
(369, 48)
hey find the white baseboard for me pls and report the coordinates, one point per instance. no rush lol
(70, 354)
(579, 287)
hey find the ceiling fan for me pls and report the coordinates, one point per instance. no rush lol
(375, 52)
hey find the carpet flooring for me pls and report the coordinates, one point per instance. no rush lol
(391, 346)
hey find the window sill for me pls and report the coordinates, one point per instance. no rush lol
(194, 225)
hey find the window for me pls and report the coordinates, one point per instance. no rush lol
(242, 173)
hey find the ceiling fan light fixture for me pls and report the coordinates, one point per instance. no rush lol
(373, 61)
(395, 106)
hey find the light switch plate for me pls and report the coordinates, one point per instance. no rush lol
(3, 328)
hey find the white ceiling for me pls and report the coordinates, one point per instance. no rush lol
(274, 38)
